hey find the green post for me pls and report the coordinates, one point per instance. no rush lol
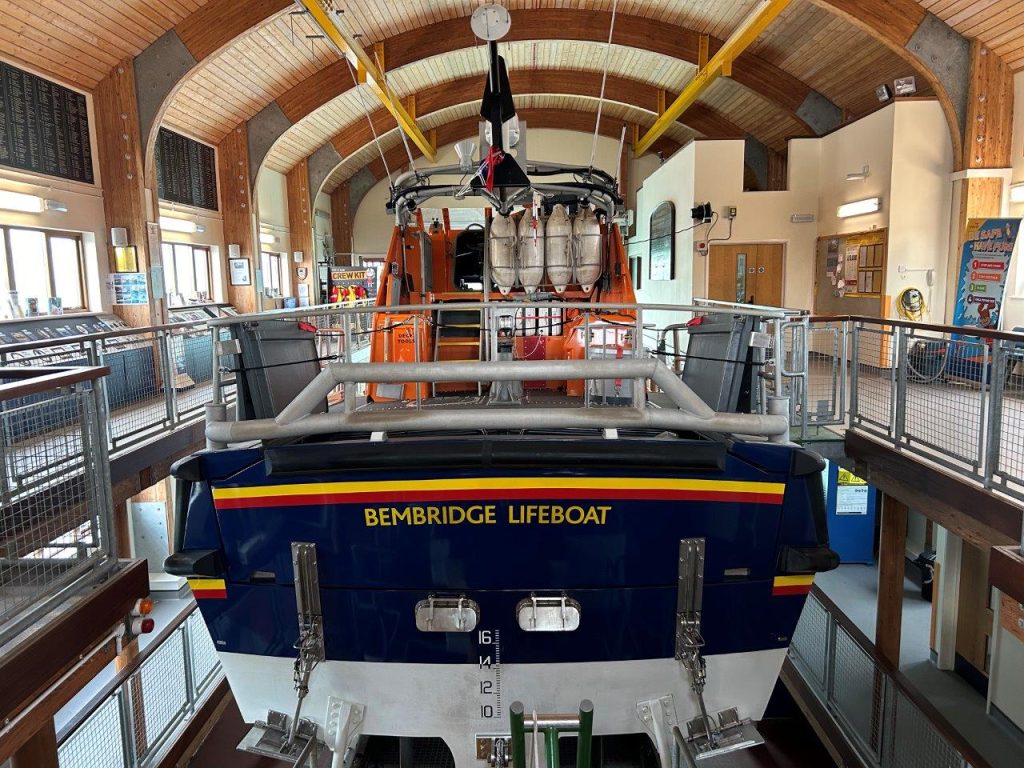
(518, 735)
(551, 744)
(585, 733)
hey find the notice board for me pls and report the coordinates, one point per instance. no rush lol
(186, 170)
(854, 258)
(44, 127)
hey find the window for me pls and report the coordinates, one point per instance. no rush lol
(186, 273)
(44, 265)
(273, 273)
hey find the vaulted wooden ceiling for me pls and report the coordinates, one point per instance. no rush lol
(807, 44)
(80, 41)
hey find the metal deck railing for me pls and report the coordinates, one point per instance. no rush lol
(953, 397)
(56, 528)
(148, 706)
(881, 714)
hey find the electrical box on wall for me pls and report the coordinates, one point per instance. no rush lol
(730, 212)
(701, 247)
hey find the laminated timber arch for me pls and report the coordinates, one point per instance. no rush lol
(781, 89)
(634, 93)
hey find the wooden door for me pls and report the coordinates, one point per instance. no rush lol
(767, 285)
(974, 614)
(748, 274)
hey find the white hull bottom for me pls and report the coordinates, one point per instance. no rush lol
(445, 700)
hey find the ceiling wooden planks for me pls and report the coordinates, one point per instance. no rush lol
(997, 23)
(81, 41)
(833, 57)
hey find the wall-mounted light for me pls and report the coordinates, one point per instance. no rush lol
(181, 225)
(802, 218)
(19, 201)
(905, 86)
(55, 206)
(860, 175)
(267, 239)
(859, 207)
(1017, 193)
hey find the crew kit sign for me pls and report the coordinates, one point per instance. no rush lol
(984, 266)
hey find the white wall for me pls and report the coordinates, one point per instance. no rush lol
(908, 152)
(920, 204)
(85, 215)
(272, 205)
(1013, 309)
(372, 225)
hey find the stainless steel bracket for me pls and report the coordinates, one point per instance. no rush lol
(297, 746)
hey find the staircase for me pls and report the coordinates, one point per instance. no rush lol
(458, 337)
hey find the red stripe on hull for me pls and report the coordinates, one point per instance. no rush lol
(210, 594)
(511, 494)
(798, 589)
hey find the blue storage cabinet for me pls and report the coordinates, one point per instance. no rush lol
(852, 512)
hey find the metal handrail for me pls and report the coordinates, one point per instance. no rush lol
(325, 309)
(45, 378)
(885, 673)
(63, 341)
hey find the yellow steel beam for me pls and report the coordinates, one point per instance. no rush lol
(324, 17)
(720, 64)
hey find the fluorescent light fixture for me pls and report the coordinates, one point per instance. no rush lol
(56, 206)
(802, 218)
(19, 201)
(267, 239)
(859, 207)
(1017, 193)
(178, 225)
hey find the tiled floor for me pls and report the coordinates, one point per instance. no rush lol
(854, 588)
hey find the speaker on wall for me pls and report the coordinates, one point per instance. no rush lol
(234, 251)
(118, 237)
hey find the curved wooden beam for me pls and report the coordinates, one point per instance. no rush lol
(767, 80)
(933, 48)
(701, 119)
(562, 119)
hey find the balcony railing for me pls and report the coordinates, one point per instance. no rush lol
(888, 723)
(149, 705)
(56, 529)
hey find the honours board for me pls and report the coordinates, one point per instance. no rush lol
(186, 171)
(44, 127)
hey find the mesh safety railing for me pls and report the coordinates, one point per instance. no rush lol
(954, 399)
(160, 377)
(885, 721)
(133, 726)
(56, 530)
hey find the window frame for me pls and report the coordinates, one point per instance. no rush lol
(48, 234)
(169, 246)
(271, 257)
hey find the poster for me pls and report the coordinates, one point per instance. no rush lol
(352, 283)
(852, 494)
(984, 266)
(127, 288)
(239, 272)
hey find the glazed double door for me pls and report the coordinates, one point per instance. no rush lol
(747, 274)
